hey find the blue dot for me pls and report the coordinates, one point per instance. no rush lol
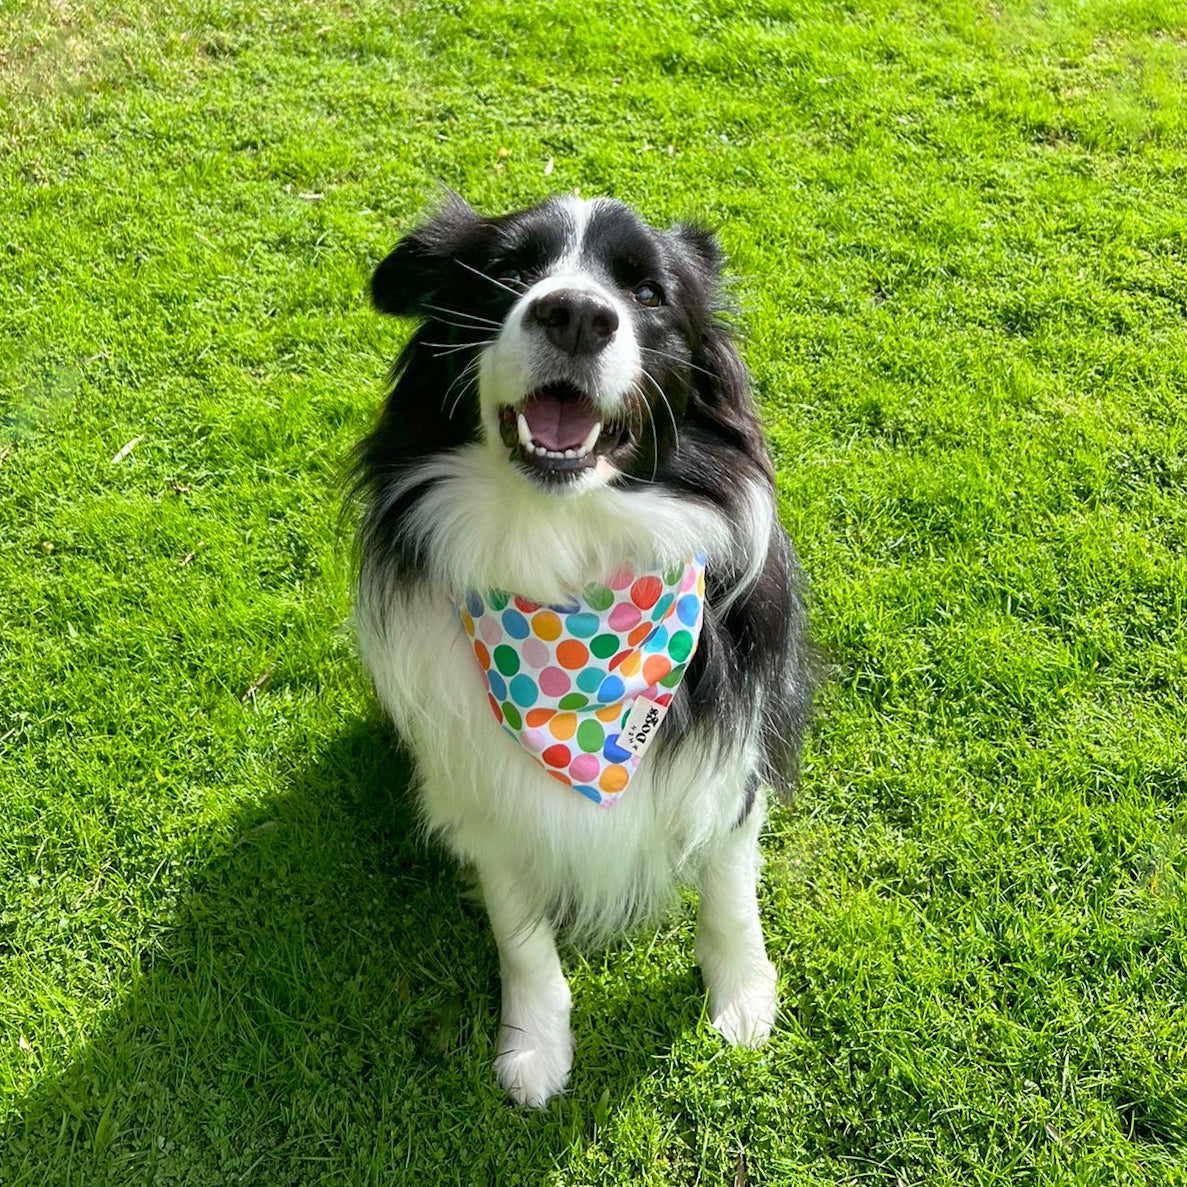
(474, 605)
(657, 640)
(662, 607)
(524, 692)
(611, 689)
(688, 608)
(612, 752)
(565, 607)
(582, 625)
(515, 624)
(589, 792)
(497, 687)
(589, 680)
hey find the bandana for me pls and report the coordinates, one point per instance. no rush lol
(584, 686)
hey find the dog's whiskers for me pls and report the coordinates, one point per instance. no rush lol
(454, 347)
(477, 318)
(659, 391)
(466, 377)
(664, 354)
(654, 432)
(497, 283)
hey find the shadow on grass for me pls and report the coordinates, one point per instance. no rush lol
(321, 1006)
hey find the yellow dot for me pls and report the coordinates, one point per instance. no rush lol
(563, 726)
(613, 778)
(546, 625)
(630, 665)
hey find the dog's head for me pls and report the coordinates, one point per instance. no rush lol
(572, 337)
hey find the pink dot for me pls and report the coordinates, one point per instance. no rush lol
(535, 740)
(554, 682)
(491, 631)
(624, 616)
(534, 652)
(620, 579)
(584, 767)
(690, 578)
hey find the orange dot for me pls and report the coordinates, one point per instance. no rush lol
(563, 726)
(537, 717)
(655, 668)
(561, 777)
(572, 654)
(481, 654)
(546, 625)
(640, 633)
(613, 778)
(609, 712)
(630, 665)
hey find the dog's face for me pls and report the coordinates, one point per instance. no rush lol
(568, 332)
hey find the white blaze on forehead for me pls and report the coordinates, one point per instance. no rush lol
(578, 214)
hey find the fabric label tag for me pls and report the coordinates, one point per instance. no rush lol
(641, 726)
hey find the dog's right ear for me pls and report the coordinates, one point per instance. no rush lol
(421, 264)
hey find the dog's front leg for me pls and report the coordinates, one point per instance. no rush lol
(740, 979)
(535, 1043)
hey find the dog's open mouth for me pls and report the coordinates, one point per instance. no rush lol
(557, 430)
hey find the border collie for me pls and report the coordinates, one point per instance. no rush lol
(575, 599)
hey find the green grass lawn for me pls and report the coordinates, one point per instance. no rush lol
(959, 231)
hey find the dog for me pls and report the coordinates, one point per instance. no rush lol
(575, 598)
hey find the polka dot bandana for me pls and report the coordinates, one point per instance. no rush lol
(578, 684)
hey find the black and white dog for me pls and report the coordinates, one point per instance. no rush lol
(569, 550)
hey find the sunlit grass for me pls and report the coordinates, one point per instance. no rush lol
(960, 244)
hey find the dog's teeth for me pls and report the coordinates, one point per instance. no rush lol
(590, 441)
(570, 453)
(525, 433)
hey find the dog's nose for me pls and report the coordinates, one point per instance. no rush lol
(577, 322)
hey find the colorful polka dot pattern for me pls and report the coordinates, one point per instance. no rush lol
(563, 679)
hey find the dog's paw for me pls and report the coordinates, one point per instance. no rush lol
(531, 1067)
(745, 1012)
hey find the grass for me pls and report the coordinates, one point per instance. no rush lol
(961, 248)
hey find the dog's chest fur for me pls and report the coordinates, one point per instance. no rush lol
(480, 790)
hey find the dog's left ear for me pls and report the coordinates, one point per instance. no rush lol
(422, 263)
(702, 243)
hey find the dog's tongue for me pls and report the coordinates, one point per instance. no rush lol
(558, 422)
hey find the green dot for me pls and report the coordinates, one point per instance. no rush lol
(598, 596)
(590, 736)
(674, 677)
(604, 646)
(573, 700)
(511, 715)
(680, 648)
(498, 599)
(673, 575)
(506, 660)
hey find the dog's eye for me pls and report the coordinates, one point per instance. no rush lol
(648, 294)
(511, 277)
